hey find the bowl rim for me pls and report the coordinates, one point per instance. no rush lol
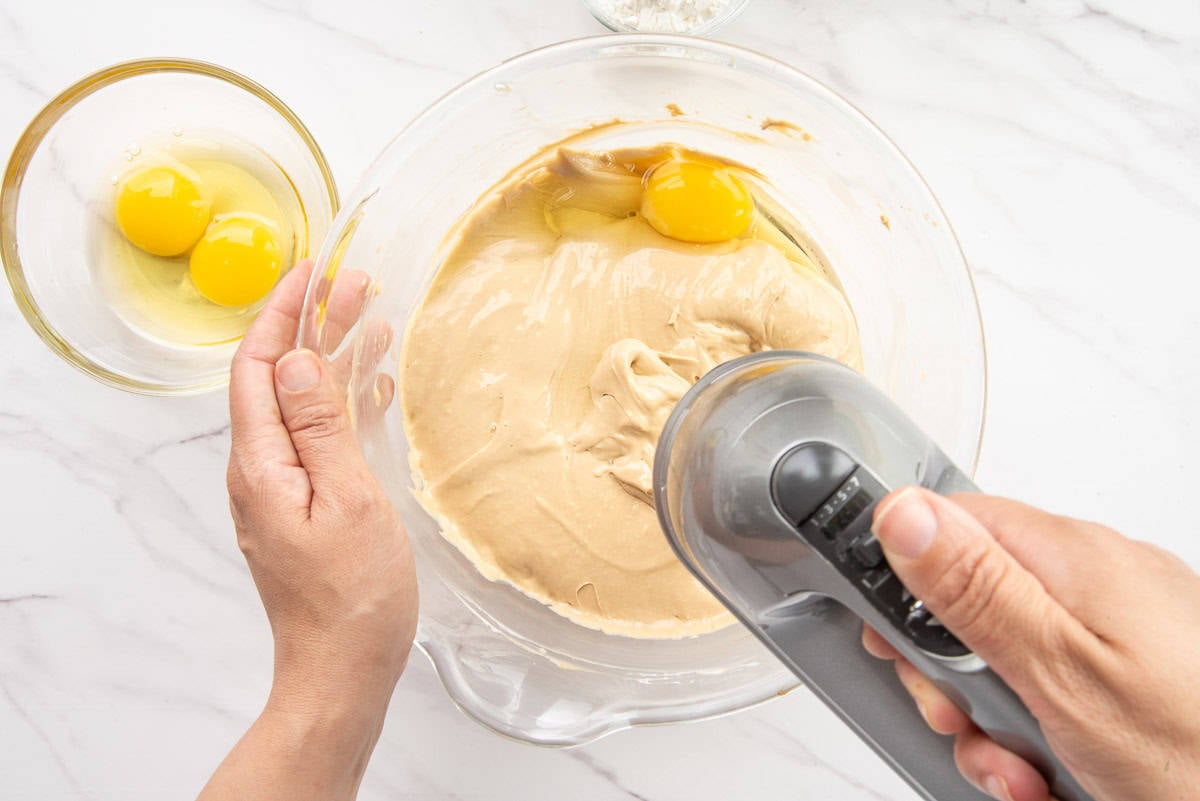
(596, 46)
(27, 146)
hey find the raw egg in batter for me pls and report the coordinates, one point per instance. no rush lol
(692, 201)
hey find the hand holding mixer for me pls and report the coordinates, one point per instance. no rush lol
(766, 478)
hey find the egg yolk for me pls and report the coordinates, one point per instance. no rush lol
(237, 262)
(161, 211)
(696, 202)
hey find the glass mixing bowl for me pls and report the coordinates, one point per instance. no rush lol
(504, 658)
(57, 192)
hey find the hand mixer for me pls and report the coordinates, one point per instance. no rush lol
(765, 481)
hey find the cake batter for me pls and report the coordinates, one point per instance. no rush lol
(554, 342)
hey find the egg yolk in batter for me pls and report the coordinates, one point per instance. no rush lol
(693, 201)
(161, 211)
(237, 261)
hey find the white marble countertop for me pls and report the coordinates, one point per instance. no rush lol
(1063, 138)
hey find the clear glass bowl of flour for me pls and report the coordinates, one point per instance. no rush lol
(694, 17)
(508, 661)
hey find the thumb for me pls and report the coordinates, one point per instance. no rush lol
(972, 585)
(313, 410)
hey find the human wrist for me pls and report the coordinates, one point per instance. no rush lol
(321, 679)
(326, 746)
(319, 725)
(351, 707)
(325, 714)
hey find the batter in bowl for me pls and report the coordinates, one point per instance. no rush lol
(576, 303)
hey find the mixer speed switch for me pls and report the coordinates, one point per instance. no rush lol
(868, 551)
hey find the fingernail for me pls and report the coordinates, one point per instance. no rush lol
(298, 371)
(906, 525)
(997, 788)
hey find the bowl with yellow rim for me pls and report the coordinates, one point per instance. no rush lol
(123, 307)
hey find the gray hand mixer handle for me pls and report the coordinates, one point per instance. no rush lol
(824, 656)
(867, 695)
(785, 544)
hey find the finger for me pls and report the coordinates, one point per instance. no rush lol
(372, 410)
(997, 771)
(876, 645)
(981, 593)
(351, 290)
(375, 339)
(940, 713)
(363, 359)
(257, 429)
(349, 296)
(1055, 548)
(385, 390)
(314, 412)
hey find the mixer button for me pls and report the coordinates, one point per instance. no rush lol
(874, 579)
(917, 614)
(867, 551)
(806, 480)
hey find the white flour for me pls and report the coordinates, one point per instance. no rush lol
(662, 16)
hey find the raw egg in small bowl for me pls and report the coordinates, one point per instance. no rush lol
(146, 213)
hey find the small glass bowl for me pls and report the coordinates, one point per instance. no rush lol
(659, 20)
(56, 188)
